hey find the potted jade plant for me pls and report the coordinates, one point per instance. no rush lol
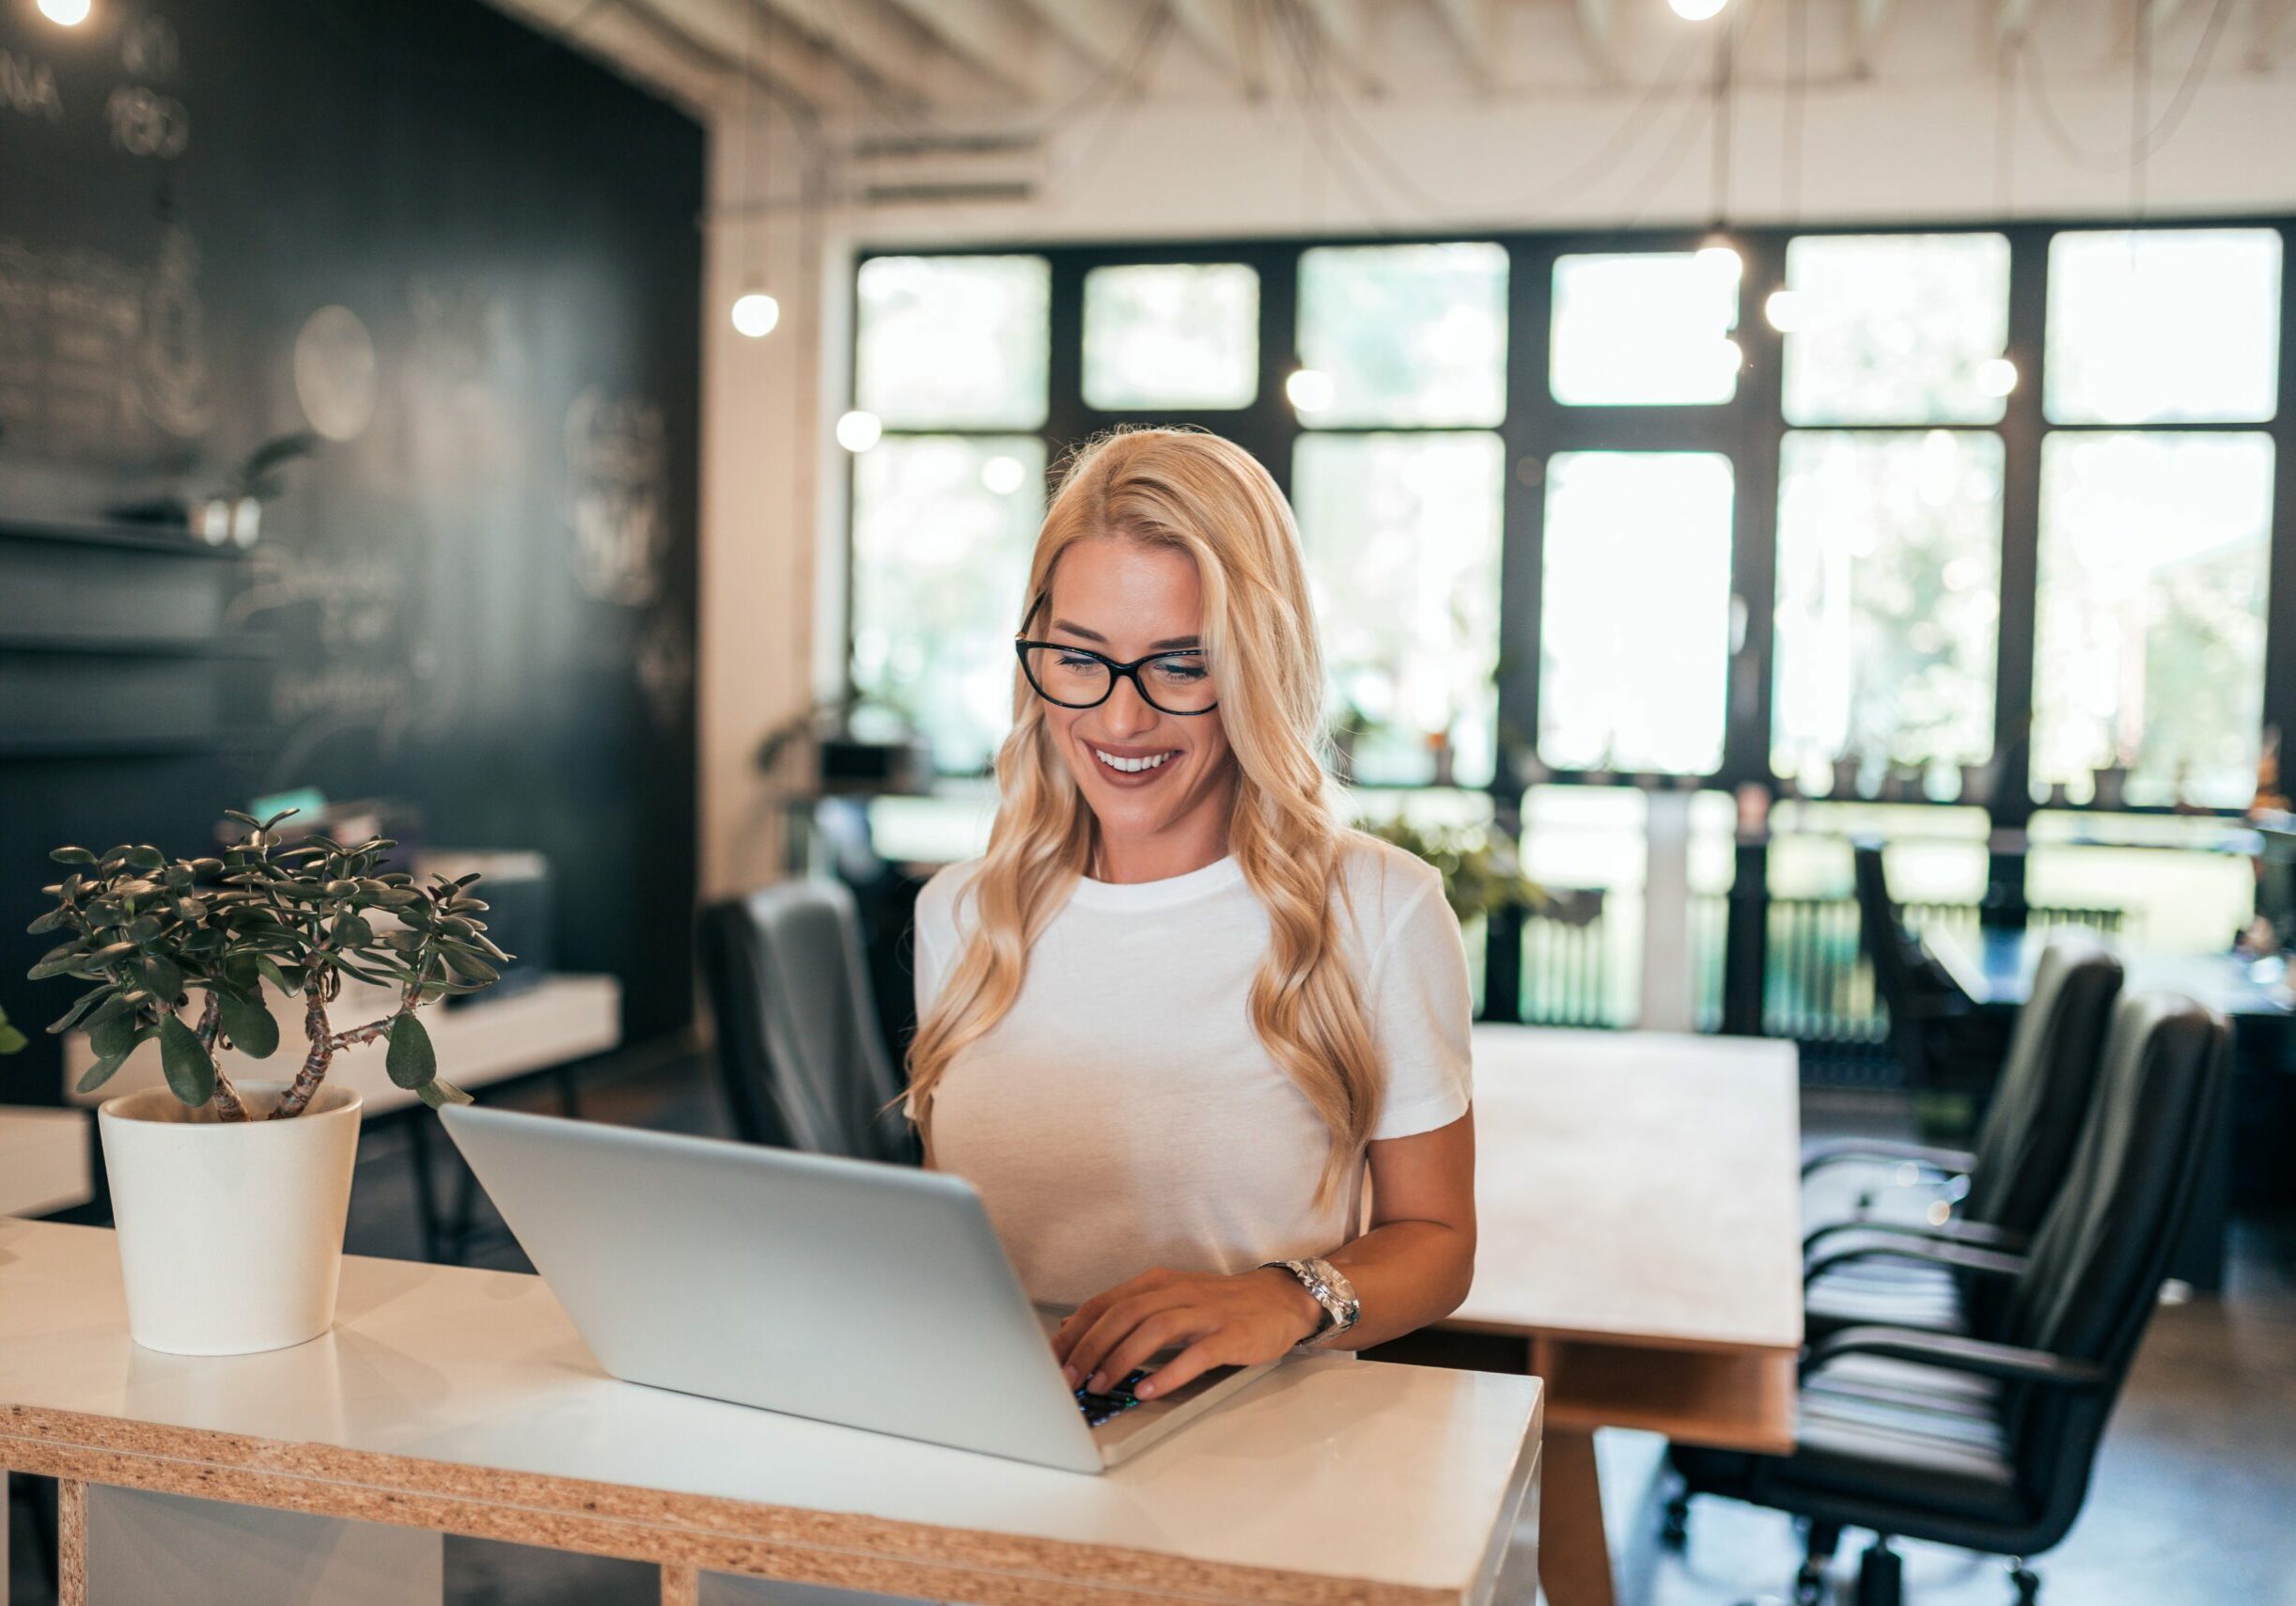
(231, 1197)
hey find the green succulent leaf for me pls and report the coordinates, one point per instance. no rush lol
(113, 1036)
(191, 1075)
(146, 859)
(253, 1028)
(436, 1093)
(96, 1075)
(410, 1058)
(58, 960)
(86, 1002)
(72, 856)
(164, 978)
(49, 922)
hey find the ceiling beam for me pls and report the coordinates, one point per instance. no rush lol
(1474, 26)
(1100, 31)
(739, 41)
(1214, 27)
(1346, 41)
(995, 42)
(888, 54)
(622, 42)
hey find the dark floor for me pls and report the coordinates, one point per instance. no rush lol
(2193, 1498)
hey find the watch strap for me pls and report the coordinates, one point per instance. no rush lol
(1329, 1288)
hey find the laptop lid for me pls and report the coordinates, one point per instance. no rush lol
(872, 1295)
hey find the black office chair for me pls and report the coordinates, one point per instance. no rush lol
(1987, 1444)
(800, 1056)
(1936, 1034)
(2023, 1147)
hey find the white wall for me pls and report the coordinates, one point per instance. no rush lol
(1910, 132)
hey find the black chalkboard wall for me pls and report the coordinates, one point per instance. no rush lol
(469, 260)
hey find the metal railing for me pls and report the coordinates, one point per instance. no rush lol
(1817, 986)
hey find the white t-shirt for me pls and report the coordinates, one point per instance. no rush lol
(1124, 1114)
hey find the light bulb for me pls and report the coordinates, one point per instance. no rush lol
(64, 13)
(857, 432)
(756, 312)
(1720, 258)
(1311, 390)
(1728, 358)
(1697, 10)
(1996, 376)
(1001, 475)
(1784, 310)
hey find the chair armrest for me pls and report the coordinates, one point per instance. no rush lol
(1976, 1356)
(1977, 1235)
(1921, 1252)
(1882, 1151)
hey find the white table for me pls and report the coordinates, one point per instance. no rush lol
(461, 1401)
(43, 1161)
(1638, 1247)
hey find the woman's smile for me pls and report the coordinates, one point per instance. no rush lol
(1130, 766)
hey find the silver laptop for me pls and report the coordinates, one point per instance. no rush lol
(876, 1296)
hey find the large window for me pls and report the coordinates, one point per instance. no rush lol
(1634, 634)
(1400, 510)
(1880, 520)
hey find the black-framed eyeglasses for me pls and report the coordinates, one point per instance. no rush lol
(1175, 682)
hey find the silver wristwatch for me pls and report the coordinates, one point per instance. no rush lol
(1332, 1290)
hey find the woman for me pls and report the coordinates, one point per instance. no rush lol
(1177, 1011)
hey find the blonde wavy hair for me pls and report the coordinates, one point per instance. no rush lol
(1193, 491)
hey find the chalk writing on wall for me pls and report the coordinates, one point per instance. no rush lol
(616, 457)
(94, 354)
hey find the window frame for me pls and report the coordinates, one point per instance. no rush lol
(1749, 430)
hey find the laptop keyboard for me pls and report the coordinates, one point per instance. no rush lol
(1116, 1402)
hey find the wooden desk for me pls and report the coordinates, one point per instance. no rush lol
(43, 1161)
(454, 1400)
(1639, 1236)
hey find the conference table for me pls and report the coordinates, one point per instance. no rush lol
(1639, 1229)
(451, 1400)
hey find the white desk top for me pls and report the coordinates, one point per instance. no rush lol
(560, 1018)
(1638, 1187)
(1332, 1479)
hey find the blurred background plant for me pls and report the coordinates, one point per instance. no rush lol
(1481, 869)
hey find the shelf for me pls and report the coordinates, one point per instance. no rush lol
(161, 540)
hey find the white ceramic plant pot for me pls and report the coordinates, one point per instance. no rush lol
(230, 1233)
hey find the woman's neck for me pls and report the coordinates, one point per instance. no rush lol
(1156, 858)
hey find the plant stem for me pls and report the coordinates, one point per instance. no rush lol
(227, 1099)
(366, 1033)
(314, 1062)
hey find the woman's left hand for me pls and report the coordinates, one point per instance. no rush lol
(1216, 1321)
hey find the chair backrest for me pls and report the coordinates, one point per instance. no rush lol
(801, 1054)
(2097, 1262)
(2025, 1142)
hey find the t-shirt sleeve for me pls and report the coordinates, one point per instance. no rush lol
(1422, 1002)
